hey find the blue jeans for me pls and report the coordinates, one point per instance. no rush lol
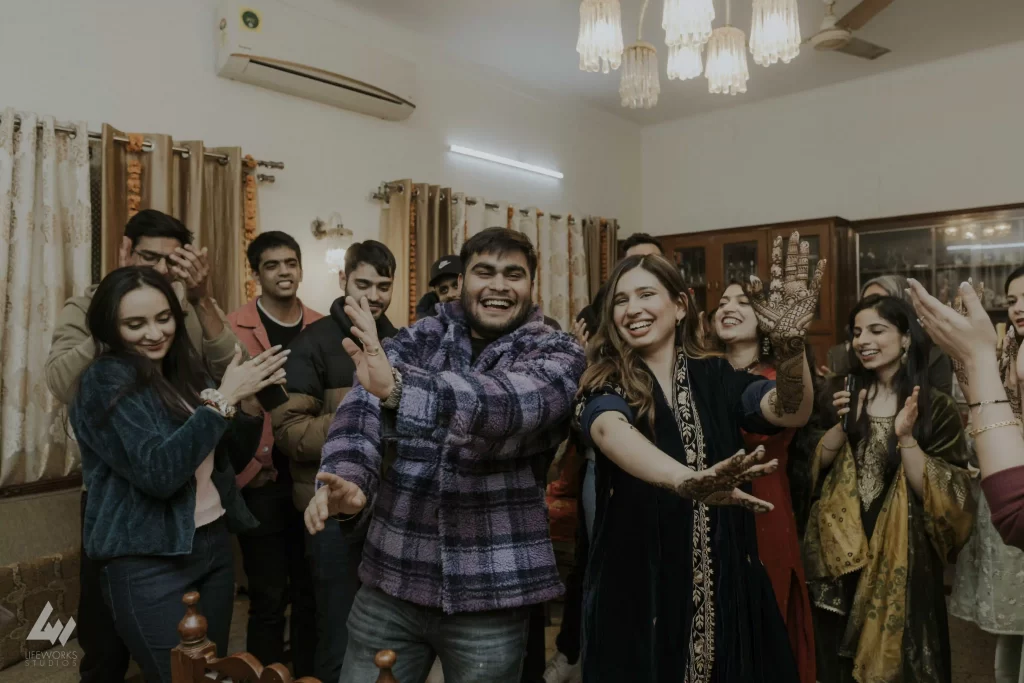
(334, 556)
(474, 647)
(144, 594)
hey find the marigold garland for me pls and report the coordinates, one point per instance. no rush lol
(249, 222)
(134, 186)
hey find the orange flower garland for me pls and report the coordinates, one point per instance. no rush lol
(133, 184)
(249, 232)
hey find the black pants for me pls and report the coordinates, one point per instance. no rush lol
(105, 656)
(274, 556)
(335, 554)
(144, 594)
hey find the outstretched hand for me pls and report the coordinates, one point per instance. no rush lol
(337, 497)
(719, 484)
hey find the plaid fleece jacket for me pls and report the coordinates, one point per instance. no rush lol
(459, 521)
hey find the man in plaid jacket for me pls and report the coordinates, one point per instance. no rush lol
(473, 404)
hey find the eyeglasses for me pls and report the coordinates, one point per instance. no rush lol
(151, 258)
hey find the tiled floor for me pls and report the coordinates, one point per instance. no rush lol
(973, 654)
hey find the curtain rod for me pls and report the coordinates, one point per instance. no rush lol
(147, 146)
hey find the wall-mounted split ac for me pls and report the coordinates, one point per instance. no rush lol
(273, 45)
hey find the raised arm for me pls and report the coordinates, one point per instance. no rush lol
(783, 315)
(533, 394)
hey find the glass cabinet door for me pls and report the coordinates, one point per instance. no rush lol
(986, 251)
(740, 260)
(692, 262)
(896, 252)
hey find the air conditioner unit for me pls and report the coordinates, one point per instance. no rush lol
(276, 46)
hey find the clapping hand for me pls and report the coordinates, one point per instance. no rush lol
(907, 417)
(244, 379)
(719, 485)
(191, 267)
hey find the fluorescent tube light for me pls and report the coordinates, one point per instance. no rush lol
(979, 247)
(507, 162)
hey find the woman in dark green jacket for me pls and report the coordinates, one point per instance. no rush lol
(159, 453)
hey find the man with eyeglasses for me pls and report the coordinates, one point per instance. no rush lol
(162, 242)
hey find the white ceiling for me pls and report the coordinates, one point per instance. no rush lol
(534, 41)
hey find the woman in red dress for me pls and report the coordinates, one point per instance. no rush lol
(734, 327)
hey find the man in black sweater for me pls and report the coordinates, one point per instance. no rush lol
(320, 373)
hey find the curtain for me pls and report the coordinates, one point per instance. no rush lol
(433, 234)
(592, 244)
(476, 219)
(458, 221)
(395, 234)
(609, 232)
(204, 192)
(525, 221)
(221, 226)
(544, 246)
(45, 250)
(557, 261)
(579, 283)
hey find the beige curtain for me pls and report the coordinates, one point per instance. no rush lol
(433, 235)
(544, 248)
(204, 192)
(395, 233)
(476, 218)
(458, 220)
(221, 226)
(557, 260)
(579, 283)
(610, 233)
(45, 252)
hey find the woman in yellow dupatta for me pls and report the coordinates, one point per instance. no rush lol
(894, 506)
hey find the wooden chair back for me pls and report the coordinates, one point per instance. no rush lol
(195, 659)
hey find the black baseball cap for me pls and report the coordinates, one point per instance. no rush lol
(445, 266)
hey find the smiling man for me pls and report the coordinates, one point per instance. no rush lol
(320, 373)
(274, 554)
(474, 402)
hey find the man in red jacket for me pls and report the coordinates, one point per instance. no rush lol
(274, 553)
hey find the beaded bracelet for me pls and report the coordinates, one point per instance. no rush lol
(1006, 423)
(981, 404)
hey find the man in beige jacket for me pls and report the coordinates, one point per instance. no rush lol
(153, 239)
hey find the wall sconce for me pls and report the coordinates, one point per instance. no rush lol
(332, 227)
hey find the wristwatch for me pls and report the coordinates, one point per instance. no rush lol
(395, 397)
(214, 399)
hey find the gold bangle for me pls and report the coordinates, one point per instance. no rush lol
(996, 425)
(902, 447)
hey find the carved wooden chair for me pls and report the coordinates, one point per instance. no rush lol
(195, 659)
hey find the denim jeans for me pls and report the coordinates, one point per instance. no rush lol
(144, 594)
(334, 555)
(274, 556)
(105, 656)
(474, 647)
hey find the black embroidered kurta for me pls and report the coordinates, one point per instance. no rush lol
(675, 590)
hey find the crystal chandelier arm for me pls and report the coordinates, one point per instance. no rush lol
(640, 28)
(728, 12)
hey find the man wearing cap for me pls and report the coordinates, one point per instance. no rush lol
(445, 285)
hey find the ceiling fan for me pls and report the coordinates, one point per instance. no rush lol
(836, 35)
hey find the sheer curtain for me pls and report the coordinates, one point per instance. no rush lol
(45, 257)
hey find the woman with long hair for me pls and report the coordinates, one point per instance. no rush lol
(735, 333)
(990, 574)
(674, 589)
(160, 449)
(895, 506)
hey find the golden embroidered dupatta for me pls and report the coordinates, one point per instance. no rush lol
(836, 545)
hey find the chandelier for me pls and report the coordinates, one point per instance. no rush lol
(687, 22)
(726, 70)
(600, 39)
(640, 85)
(684, 62)
(774, 31)
(774, 37)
